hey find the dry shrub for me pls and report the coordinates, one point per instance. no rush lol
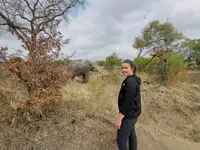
(42, 42)
(40, 77)
(38, 87)
(26, 125)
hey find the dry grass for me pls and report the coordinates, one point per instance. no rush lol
(84, 119)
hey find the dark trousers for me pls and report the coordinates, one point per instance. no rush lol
(126, 136)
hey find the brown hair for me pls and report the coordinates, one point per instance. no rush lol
(132, 65)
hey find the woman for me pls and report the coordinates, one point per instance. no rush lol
(129, 104)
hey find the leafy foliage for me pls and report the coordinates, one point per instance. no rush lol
(191, 50)
(142, 61)
(112, 61)
(174, 65)
(157, 35)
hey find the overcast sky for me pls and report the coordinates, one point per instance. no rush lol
(108, 26)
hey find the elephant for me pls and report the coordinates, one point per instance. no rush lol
(81, 68)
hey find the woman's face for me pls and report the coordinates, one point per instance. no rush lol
(126, 70)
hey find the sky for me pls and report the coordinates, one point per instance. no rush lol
(107, 26)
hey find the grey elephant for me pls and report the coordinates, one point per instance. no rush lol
(81, 68)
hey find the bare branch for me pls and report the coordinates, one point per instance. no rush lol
(149, 61)
(10, 23)
(70, 56)
(28, 5)
(34, 6)
(30, 20)
(23, 17)
(56, 15)
(48, 9)
(3, 24)
(5, 8)
(33, 10)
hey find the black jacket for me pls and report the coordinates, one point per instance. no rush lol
(129, 99)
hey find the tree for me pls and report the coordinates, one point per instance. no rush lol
(191, 49)
(35, 23)
(156, 36)
(158, 39)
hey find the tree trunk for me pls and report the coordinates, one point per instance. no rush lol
(140, 52)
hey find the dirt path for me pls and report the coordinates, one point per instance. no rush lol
(157, 139)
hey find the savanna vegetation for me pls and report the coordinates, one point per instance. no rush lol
(42, 109)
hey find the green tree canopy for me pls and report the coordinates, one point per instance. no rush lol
(156, 35)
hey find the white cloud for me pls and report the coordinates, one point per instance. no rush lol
(184, 14)
(108, 26)
(11, 41)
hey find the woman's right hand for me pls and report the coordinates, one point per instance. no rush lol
(118, 123)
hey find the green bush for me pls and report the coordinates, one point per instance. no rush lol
(112, 61)
(141, 62)
(174, 65)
